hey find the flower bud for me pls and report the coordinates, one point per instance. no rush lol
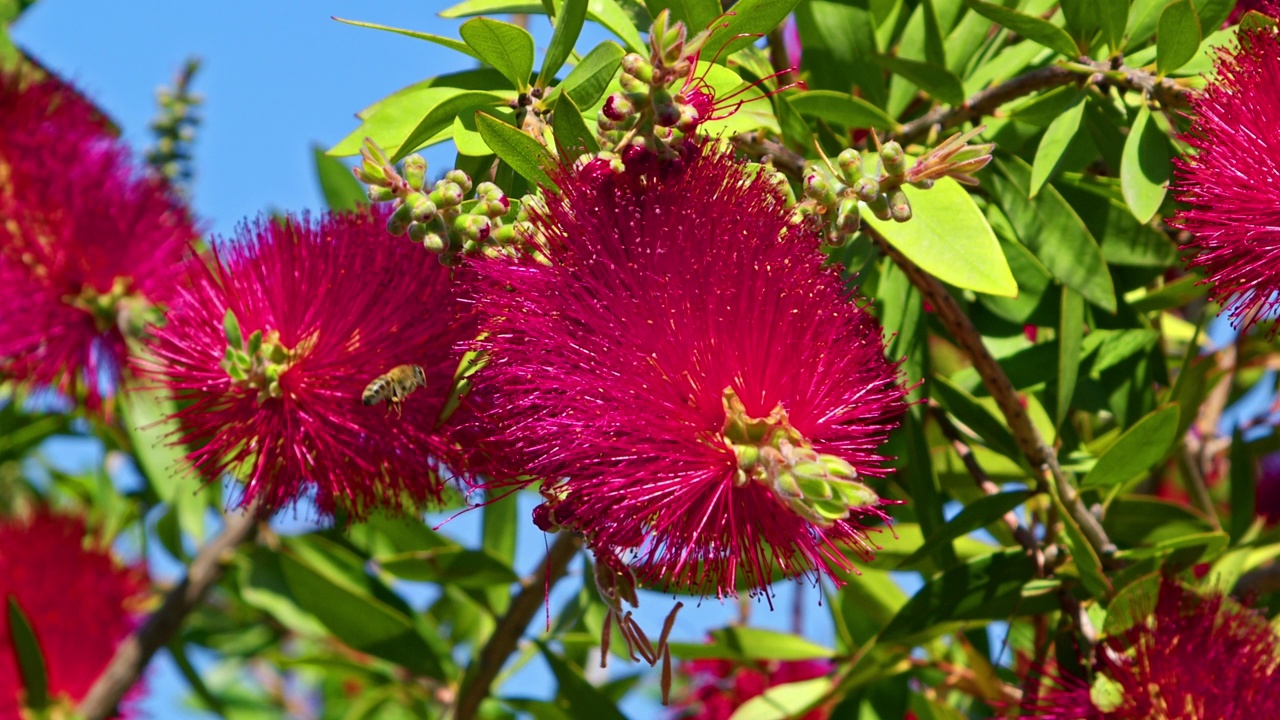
(817, 187)
(418, 231)
(459, 178)
(850, 163)
(398, 223)
(854, 493)
(435, 242)
(446, 194)
(617, 107)
(894, 159)
(473, 227)
(879, 206)
(422, 209)
(415, 171)
(899, 205)
(637, 67)
(924, 184)
(848, 219)
(867, 189)
(381, 193)
(632, 86)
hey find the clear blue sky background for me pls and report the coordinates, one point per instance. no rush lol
(277, 77)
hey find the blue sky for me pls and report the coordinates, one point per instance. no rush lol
(278, 77)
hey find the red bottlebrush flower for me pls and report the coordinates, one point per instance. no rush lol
(1232, 180)
(86, 242)
(699, 389)
(324, 308)
(1194, 657)
(719, 687)
(79, 602)
(1270, 8)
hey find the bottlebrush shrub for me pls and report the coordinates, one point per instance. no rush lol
(270, 350)
(88, 242)
(79, 601)
(679, 339)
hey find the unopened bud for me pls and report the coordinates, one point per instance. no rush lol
(899, 205)
(894, 159)
(418, 232)
(422, 209)
(633, 86)
(398, 223)
(848, 218)
(850, 163)
(617, 107)
(879, 206)
(459, 178)
(637, 67)
(435, 242)
(867, 189)
(380, 193)
(415, 171)
(785, 486)
(817, 187)
(924, 184)
(855, 494)
(838, 467)
(473, 227)
(446, 194)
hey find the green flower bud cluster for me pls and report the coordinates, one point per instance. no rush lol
(646, 113)
(832, 194)
(442, 217)
(175, 129)
(257, 362)
(118, 307)
(820, 488)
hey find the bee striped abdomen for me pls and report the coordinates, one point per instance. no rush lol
(394, 386)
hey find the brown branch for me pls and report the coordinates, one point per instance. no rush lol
(985, 102)
(484, 669)
(1020, 533)
(1038, 453)
(132, 655)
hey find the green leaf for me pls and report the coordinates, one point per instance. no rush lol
(1140, 448)
(841, 109)
(1254, 20)
(994, 587)
(695, 14)
(508, 48)
(868, 602)
(1177, 36)
(570, 129)
(937, 80)
(1053, 145)
(341, 189)
(1070, 337)
(31, 665)
(588, 79)
(437, 39)
(611, 15)
(1243, 487)
(1134, 521)
(1048, 227)
(1145, 166)
(579, 698)
(440, 117)
(752, 19)
(455, 566)
(782, 702)
(261, 583)
(750, 644)
(949, 238)
(521, 152)
(148, 420)
(606, 12)
(1028, 26)
(754, 113)
(966, 408)
(975, 516)
(355, 616)
(1083, 17)
(568, 27)
(1213, 13)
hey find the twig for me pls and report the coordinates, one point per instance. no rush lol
(132, 655)
(1020, 533)
(1038, 453)
(482, 671)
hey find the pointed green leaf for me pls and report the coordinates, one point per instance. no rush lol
(455, 566)
(965, 408)
(751, 19)
(949, 237)
(1145, 166)
(508, 48)
(936, 80)
(588, 79)
(1137, 451)
(1243, 487)
(1070, 337)
(785, 701)
(571, 130)
(31, 665)
(521, 152)
(568, 27)
(975, 516)
(1054, 142)
(1048, 227)
(1028, 26)
(440, 117)
(841, 109)
(1177, 36)
(579, 697)
(695, 14)
(341, 189)
(437, 39)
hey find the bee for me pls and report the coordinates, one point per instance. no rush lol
(394, 386)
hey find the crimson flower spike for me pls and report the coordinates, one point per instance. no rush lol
(697, 97)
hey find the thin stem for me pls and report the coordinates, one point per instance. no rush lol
(133, 655)
(1038, 453)
(480, 675)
